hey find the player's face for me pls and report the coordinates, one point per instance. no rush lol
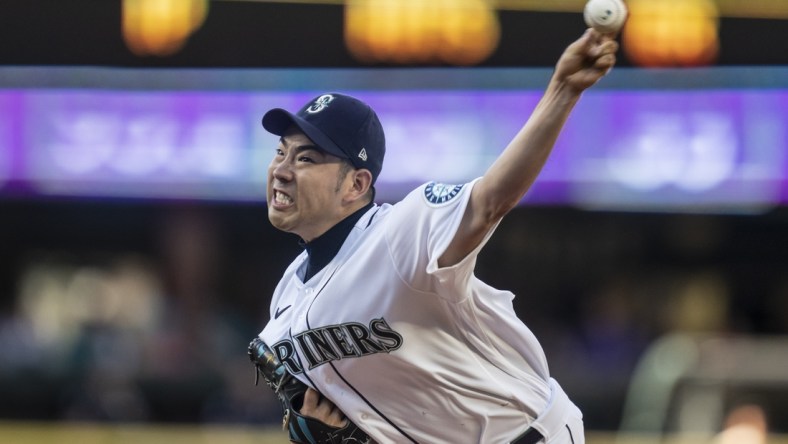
(304, 187)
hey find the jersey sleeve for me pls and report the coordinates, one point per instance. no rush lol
(420, 229)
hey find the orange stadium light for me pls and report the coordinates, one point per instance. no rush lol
(672, 32)
(160, 27)
(456, 32)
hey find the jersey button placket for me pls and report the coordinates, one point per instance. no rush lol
(307, 293)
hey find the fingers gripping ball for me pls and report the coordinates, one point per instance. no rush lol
(606, 16)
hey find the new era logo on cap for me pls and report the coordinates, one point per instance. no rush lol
(339, 124)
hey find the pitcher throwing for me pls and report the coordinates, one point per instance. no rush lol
(379, 331)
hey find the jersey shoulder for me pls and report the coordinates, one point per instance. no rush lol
(434, 194)
(437, 194)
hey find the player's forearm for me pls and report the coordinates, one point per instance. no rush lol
(512, 174)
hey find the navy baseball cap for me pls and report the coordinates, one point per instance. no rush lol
(339, 124)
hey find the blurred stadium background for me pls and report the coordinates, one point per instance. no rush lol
(136, 260)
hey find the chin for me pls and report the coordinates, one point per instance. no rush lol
(279, 222)
(276, 220)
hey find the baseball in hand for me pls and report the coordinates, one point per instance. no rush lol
(606, 16)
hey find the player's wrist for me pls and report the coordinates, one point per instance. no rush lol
(562, 92)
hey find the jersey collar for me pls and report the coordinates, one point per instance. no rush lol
(323, 248)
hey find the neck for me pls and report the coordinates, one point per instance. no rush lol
(322, 249)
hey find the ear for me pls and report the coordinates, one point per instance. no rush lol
(361, 181)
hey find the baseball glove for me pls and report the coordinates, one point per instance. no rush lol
(290, 391)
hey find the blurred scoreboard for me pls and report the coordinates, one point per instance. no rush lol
(704, 139)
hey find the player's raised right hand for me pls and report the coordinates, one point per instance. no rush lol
(586, 60)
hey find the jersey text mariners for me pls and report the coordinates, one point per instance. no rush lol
(411, 352)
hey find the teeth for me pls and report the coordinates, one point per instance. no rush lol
(281, 198)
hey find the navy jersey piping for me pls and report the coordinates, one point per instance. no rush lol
(358, 393)
(366, 401)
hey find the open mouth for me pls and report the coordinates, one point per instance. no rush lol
(282, 199)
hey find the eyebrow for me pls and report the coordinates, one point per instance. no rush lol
(298, 149)
(302, 147)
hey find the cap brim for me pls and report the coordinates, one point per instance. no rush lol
(278, 120)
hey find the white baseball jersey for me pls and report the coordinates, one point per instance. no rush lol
(410, 351)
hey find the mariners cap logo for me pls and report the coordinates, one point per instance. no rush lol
(363, 154)
(320, 103)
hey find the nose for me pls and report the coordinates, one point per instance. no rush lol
(280, 170)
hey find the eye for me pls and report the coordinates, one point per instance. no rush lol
(278, 152)
(306, 159)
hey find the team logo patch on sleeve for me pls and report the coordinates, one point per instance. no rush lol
(439, 193)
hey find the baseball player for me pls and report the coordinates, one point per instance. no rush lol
(379, 331)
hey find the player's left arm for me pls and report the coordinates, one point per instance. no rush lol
(505, 183)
